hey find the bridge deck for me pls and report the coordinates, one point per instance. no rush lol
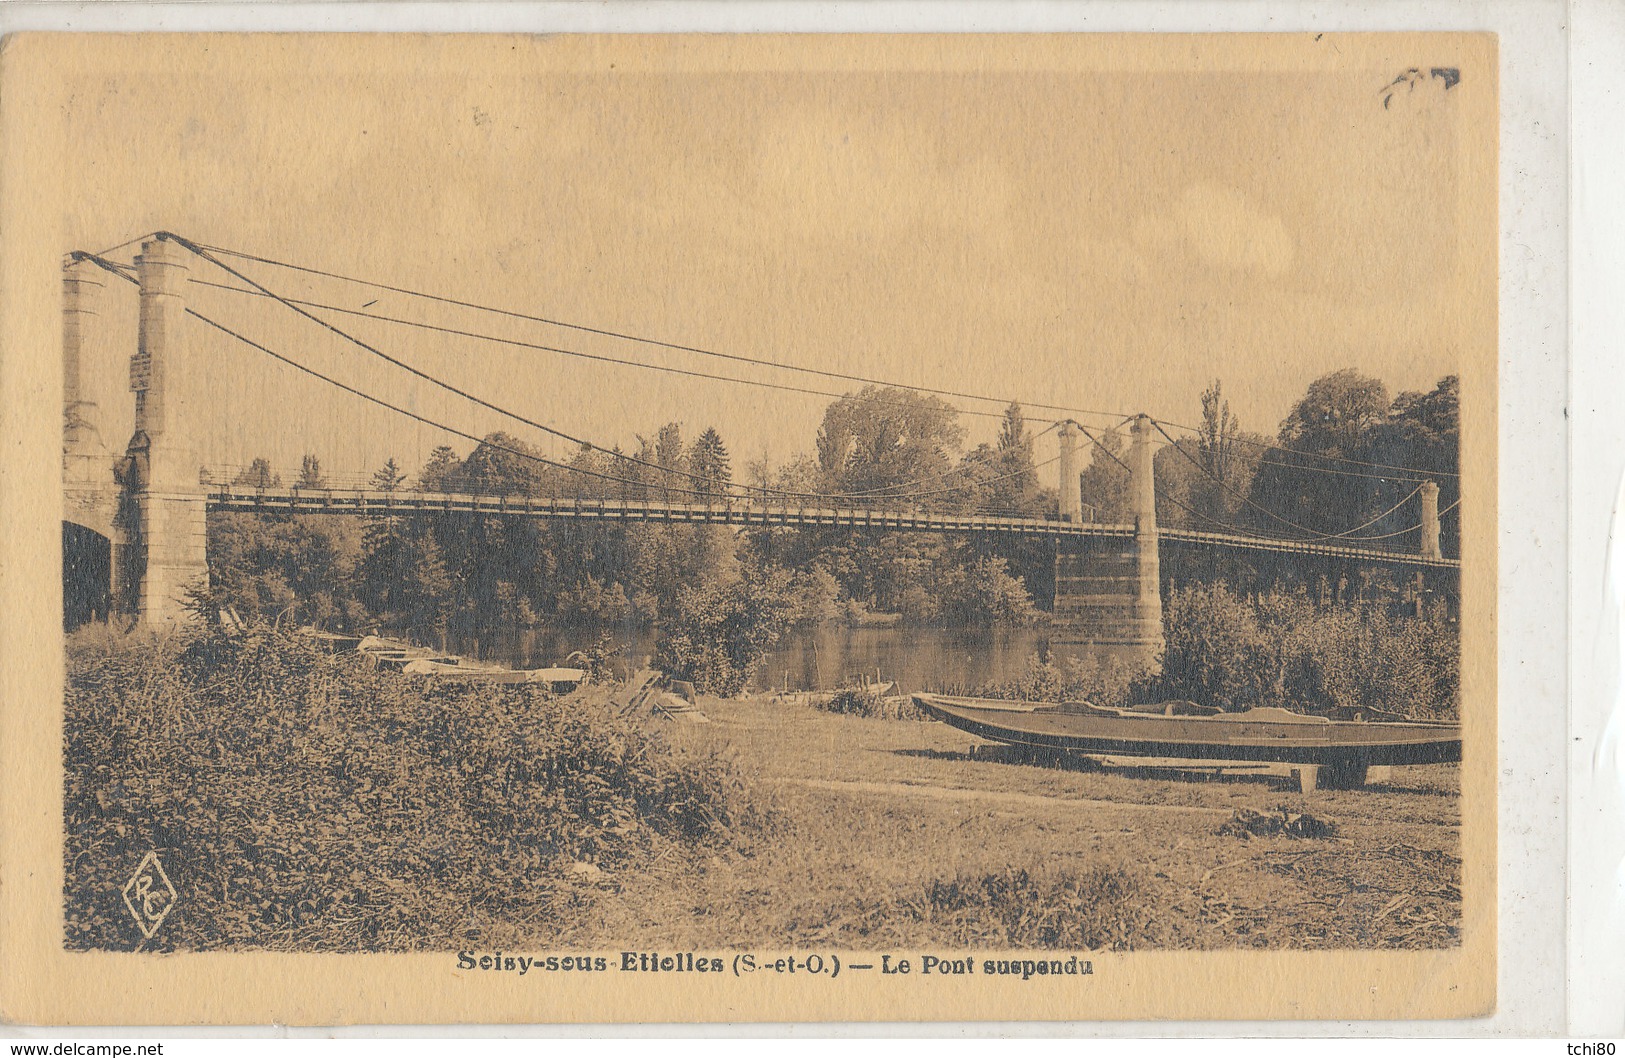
(735, 511)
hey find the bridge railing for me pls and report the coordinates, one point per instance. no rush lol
(749, 509)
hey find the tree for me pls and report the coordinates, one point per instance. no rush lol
(1015, 479)
(442, 471)
(259, 475)
(1293, 484)
(1183, 486)
(1103, 485)
(402, 574)
(720, 632)
(502, 465)
(268, 564)
(669, 453)
(880, 439)
(382, 547)
(310, 474)
(708, 462)
(389, 477)
(1348, 455)
(1423, 432)
(1216, 452)
(1334, 416)
(983, 592)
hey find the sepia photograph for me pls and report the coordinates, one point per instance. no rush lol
(602, 507)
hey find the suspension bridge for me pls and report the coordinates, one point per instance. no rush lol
(145, 508)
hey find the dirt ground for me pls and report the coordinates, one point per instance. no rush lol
(893, 832)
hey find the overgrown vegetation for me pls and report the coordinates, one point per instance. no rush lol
(1100, 681)
(860, 701)
(1274, 648)
(1046, 908)
(1280, 648)
(303, 802)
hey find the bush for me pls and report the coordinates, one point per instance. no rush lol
(1215, 651)
(1091, 679)
(723, 630)
(1278, 648)
(982, 593)
(300, 801)
(857, 702)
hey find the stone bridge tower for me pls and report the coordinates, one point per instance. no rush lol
(133, 528)
(1107, 590)
(92, 544)
(162, 468)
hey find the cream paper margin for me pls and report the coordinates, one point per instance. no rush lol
(42, 983)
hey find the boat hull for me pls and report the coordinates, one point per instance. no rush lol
(1309, 740)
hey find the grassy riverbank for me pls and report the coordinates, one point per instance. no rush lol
(301, 803)
(893, 834)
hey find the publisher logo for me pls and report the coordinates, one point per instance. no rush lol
(149, 895)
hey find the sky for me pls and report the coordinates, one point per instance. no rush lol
(1106, 231)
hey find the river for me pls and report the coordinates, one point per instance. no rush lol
(918, 659)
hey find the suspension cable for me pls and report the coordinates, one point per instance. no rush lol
(881, 492)
(207, 256)
(1317, 455)
(1238, 530)
(1260, 507)
(781, 365)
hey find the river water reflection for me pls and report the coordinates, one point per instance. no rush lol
(918, 659)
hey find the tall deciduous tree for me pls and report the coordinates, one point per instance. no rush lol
(259, 475)
(1333, 417)
(502, 465)
(884, 439)
(1347, 455)
(1103, 485)
(310, 474)
(1015, 480)
(1228, 458)
(442, 471)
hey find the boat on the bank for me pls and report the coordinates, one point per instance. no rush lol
(1188, 731)
(396, 655)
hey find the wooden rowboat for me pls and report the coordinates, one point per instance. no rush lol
(1188, 731)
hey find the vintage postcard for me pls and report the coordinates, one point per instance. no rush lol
(744, 528)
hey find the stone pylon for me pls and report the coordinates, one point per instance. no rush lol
(92, 542)
(162, 463)
(1108, 591)
(1071, 499)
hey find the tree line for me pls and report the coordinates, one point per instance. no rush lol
(878, 446)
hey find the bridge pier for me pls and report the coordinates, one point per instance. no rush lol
(93, 544)
(168, 508)
(1071, 494)
(1108, 591)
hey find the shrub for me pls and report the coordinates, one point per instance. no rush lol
(858, 702)
(301, 801)
(982, 593)
(1278, 648)
(723, 630)
(1101, 681)
(1215, 651)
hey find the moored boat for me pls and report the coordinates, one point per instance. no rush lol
(1189, 731)
(397, 656)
